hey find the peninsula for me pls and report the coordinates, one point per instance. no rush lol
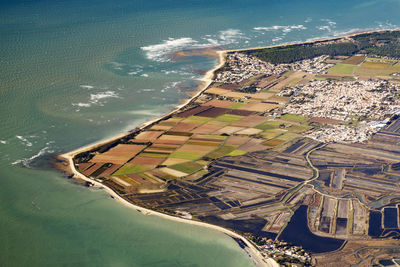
(292, 150)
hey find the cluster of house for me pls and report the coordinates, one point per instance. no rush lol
(275, 248)
(240, 67)
(343, 133)
(344, 101)
(315, 65)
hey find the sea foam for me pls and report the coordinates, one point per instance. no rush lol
(159, 52)
(283, 28)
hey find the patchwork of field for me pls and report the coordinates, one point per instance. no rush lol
(232, 158)
(183, 145)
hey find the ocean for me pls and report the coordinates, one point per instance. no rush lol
(76, 72)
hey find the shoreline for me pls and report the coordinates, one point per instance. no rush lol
(322, 39)
(207, 79)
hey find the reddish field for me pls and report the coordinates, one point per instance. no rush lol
(84, 166)
(92, 169)
(119, 154)
(354, 60)
(193, 111)
(147, 160)
(110, 170)
(250, 121)
(213, 112)
(206, 128)
(184, 127)
(237, 140)
(240, 112)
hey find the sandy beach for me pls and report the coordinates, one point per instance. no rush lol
(253, 252)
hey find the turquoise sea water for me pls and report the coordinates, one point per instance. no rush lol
(75, 72)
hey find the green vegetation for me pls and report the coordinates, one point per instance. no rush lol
(236, 105)
(224, 150)
(271, 125)
(187, 167)
(229, 118)
(293, 83)
(269, 134)
(292, 53)
(293, 117)
(186, 155)
(378, 43)
(133, 168)
(288, 136)
(342, 69)
(237, 152)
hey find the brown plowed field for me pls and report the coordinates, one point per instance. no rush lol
(147, 160)
(213, 112)
(110, 170)
(193, 111)
(219, 103)
(250, 121)
(147, 136)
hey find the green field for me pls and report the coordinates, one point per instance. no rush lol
(221, 152)
(186, 155)
(292, 83)
(133, 168)
(237, 105)
(288, 136)
(237, 153)
(293, 117)
(187, 167)
(342, 69)
(373, 69)
(269, 125)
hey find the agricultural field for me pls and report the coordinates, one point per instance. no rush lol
(272, 144)
(342, 69)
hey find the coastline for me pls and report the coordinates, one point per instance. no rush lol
(323, 39)
(207, 80)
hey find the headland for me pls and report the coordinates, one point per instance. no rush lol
(297, 134)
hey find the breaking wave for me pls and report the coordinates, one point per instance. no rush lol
(97, 99)
(283, 28)
(159, 52)
(27, 161)
(162, 52)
